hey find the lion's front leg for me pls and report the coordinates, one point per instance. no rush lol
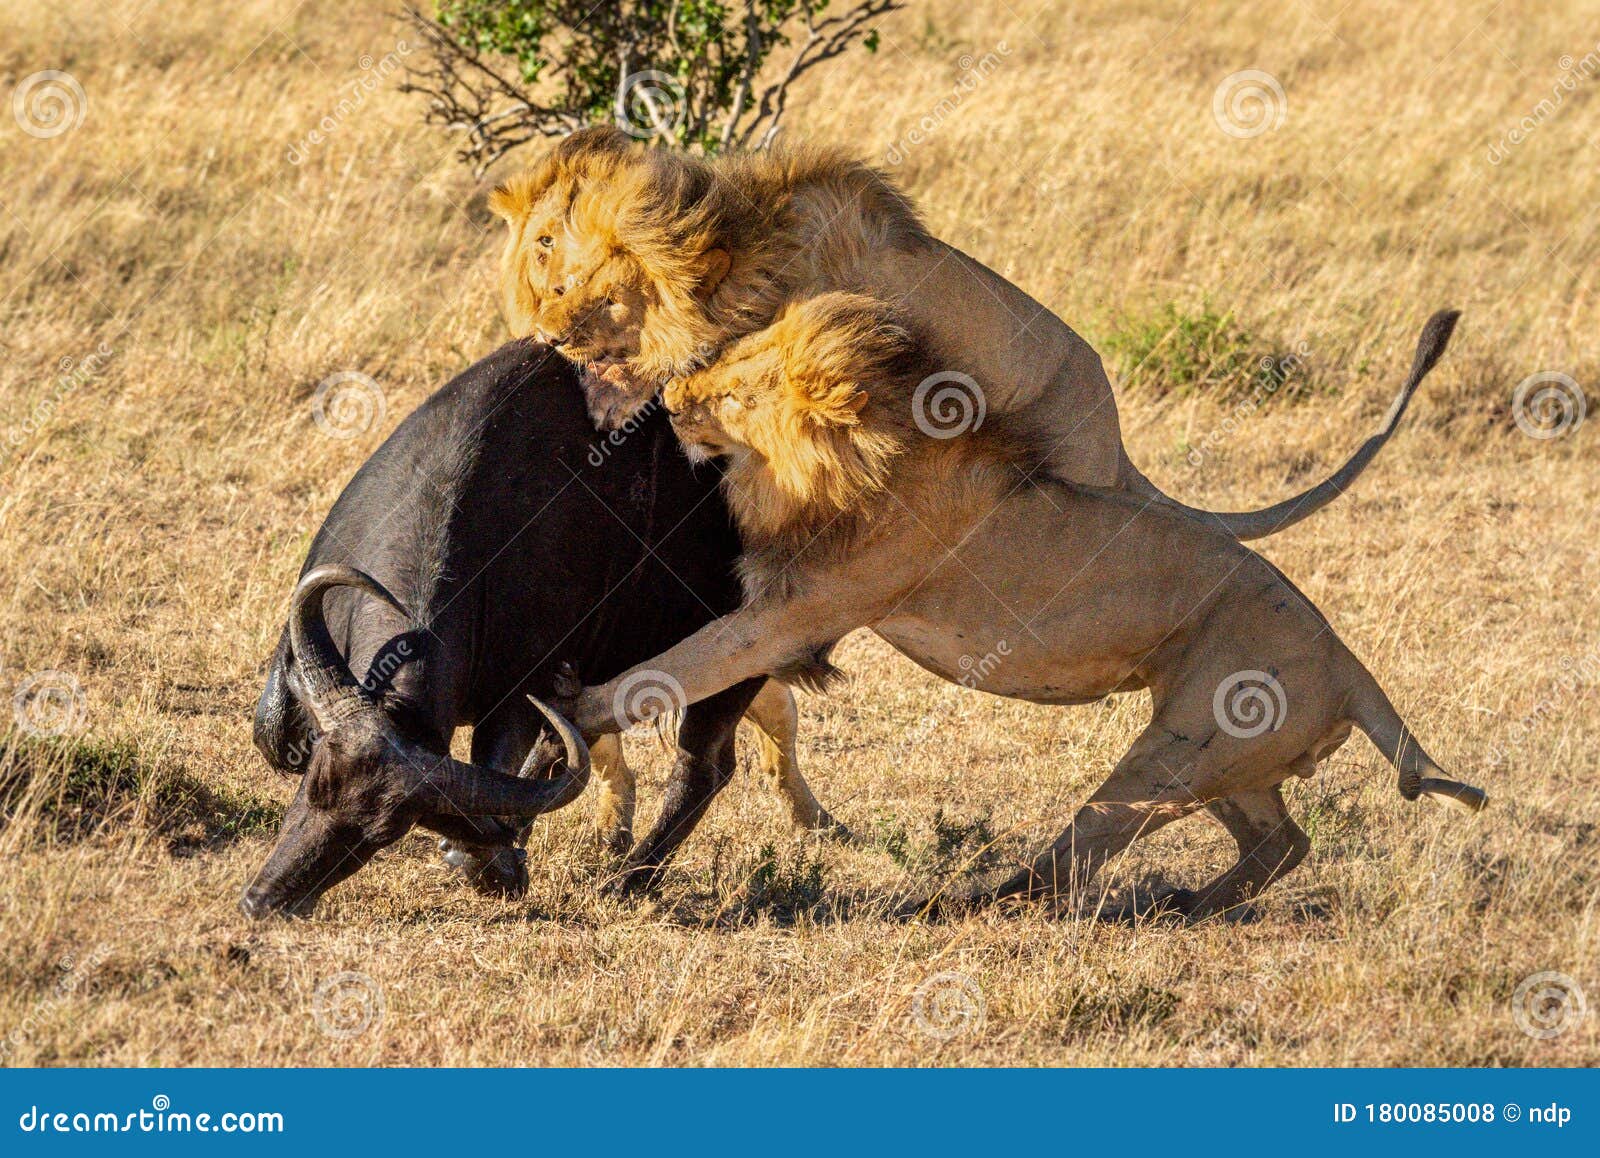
(748, 643)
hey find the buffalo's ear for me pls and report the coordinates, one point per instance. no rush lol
(717, 263)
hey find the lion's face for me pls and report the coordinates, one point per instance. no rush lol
(735, 406)
(596, 307)
(531, 263)
(789, 407)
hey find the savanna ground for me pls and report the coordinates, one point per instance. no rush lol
(176, 284)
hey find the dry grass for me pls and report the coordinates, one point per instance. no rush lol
(152, 526)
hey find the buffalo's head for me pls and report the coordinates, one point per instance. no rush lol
(367, 782)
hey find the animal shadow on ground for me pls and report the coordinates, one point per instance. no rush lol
(67, 789)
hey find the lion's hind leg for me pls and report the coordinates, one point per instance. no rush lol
(776, 721)
(1270, 844)
(614, 804)
(1153, 785)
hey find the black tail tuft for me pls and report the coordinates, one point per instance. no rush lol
(1435, 337)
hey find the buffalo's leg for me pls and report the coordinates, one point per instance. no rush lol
(1150, 787)
(613, 808)
(1270, 844)
(704, 766)
(777, 721)
(502, 741)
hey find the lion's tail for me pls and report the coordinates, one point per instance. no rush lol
(1245, 525)
(1376, 716)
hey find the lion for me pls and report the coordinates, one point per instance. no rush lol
(853, 516)
(644, 265)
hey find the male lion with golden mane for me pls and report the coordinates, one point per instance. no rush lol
(853, 516)
(643, 265)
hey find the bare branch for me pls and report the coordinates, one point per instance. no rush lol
(825, 39)
(467, 95)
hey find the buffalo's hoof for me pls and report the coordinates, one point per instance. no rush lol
(494, 872)
(631, 883)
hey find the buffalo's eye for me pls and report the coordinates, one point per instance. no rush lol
(547, 241)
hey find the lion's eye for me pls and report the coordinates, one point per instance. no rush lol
(547, 241)
(560, 291)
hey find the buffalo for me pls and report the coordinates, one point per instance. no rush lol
(492, 555)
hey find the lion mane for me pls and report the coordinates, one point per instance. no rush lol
(786, 224)
(833, 453)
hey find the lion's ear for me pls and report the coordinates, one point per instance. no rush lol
(717, 264)
(832, 403)
(509, 201)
